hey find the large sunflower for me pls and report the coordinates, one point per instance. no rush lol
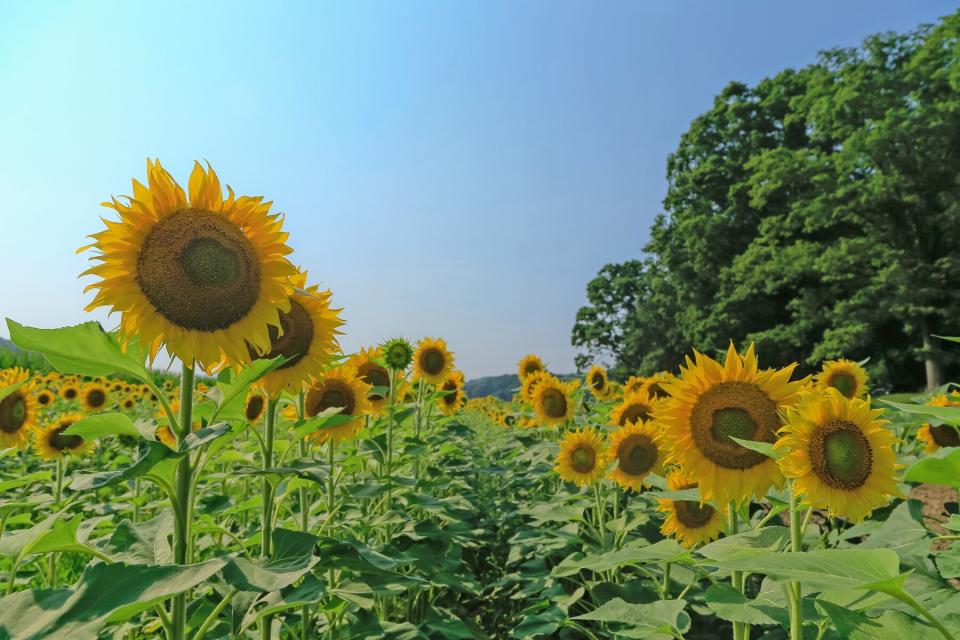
(530, 383)
(711, 402)
(339, 387)
(450, 403)
(50, 443)
(307, 337)
(367, 362)
(943, 435)
(583, 457)
(552, 401)
(839, 454)
(846, 376)
(598, 383)
(528, 364)
(203, 276)
(634, 448)
(689, 521)
(94, 397)
(18, 410)
(636, 407)
(432, 362)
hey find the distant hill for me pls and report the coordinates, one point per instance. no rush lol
(502, 387)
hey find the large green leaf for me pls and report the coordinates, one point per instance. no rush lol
(772, 538)
(84, 349)
(642, 620)
(25, 480)
(730, 604)
(19, 545)
(292, 557)
(141, 542)
(233, 390)
(103, 424)
(151, 455)
(890, 625)
(310, 590)
(950, 415)
(940, 468)
(635, 553)
(7, 390)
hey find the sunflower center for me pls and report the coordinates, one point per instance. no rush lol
(693, 514)
(844, 383)
(294, 341)
(433, 362)
(554, 403)
(254, 407)
(398, 356)
(636, 455)
(531, 367)
(840, 455)
(633, 413)
(96, 398)
(597, 382)
(657, 391)
(510, 421)
(61, 442)
(199, 270)
(451, 398)
(376, 376)
(583, 459)
(13, 412)
(738, 409)
(44, 399)
(945, 435)
(331, 394)
(70, 394)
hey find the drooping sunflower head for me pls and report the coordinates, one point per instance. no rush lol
(530, 383)
(432, 362)
(528, 364)
(653, 386)
(51, 443)
(306, 338)
(583, 457)
(598, 383)
(44, 398)
(254, 406)
(712, 403)
(19, 411)
(846, 376)
(637, 407)
(203, 275)
(397, 353)
(634, 384)
(839, 453)
(370, 369)
(451, 402)
(552, 401)
(338, 388)
(635, 451)
(691, 522)
(94, 397)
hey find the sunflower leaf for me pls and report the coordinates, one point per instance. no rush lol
(642, 620)
(765, 448)
(231, 402)
(935, 469)
(103, 424)
(949, 415)
(7, 390)
(151, 454)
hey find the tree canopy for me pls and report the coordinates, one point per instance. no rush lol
(816, 214)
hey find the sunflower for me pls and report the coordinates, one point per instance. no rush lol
(846, 376)
(636, 407)
(128, 403)
(397, 353)
(450, 403)
(18, 410)
(689, 521)
(402, 389)
(50, 443)
(653, 386)
(530, 383)
(254, 406)
(94, 397)
(942, 435)
(203, 276)
(339, 387)
(507, 420)
(552, 401)
(583, 457)
(839, 454)
(528, 364)
(633, 384)
(367, 363)
(598, 383)
(711, 402)
(432, 362)
(634, 448)
(69, 391)
(307, 337)
(44, 398)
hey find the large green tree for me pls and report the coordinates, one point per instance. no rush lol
(815, 214)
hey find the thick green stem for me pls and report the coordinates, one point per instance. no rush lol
(393, 398)
(57, 496)
(266, 530)
(741, 631)
(906, 598)
(181, 508)
(601, 524)
(796, 545)
(202, 631)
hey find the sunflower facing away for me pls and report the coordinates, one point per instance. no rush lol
(94, 397)
(598, 383)
(450, 403)
(203, 275)
(50, 443)
(397, 353)
(943, 435)
(636, 453)
(528, 364)
(636, 407)
(530, 383)
(711, 402)
(846, 376)
(18, 410)
(689, 521)
(552, 401)
(341, 388)
(583, 457)
(307, 337)
(367, 363)
(432, 362)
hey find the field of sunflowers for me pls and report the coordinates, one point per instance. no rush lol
(279, 488)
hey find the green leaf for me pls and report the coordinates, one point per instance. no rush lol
(7, 390)
(937, 469)
(152, 454)
(103, 424)
(23, 481)
(949, 415)
(142, 542)
(949, 338)
(890, 625)
(84, 349)
(729, 604)
(642, 620)
(771, 538)
(292, 557)
(203, 436)
(766, 448)
(235, 390)
(635, 553)
(311, 590)
(326, 419)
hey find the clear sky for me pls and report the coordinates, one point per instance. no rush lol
(448, 168)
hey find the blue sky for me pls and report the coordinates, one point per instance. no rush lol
(460, 169)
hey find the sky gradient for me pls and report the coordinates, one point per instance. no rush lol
(459, 169)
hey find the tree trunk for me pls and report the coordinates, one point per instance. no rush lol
(930, 362)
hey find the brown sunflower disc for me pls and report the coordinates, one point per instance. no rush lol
(738, 409)
(294, 340)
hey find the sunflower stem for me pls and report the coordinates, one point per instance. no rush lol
(796, 545)
(906, 598)
(266, 531)
(304, 516)
(601, 525)
(331, 496)
(57, 495)
(741, 631)
(181, 547)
